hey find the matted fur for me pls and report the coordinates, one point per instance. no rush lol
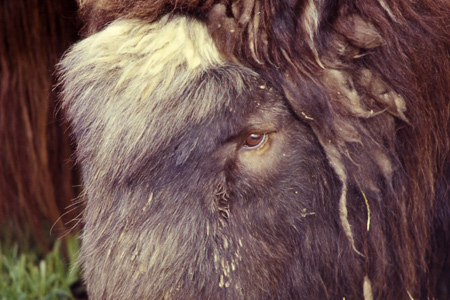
(351, 81)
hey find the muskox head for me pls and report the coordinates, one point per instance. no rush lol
(285, 176)
(200, 179)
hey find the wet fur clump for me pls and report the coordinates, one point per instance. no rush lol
(346, 195)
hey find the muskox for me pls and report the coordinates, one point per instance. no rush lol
(263, 149)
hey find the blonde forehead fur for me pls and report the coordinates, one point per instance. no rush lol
(133, 49)
(137, 76)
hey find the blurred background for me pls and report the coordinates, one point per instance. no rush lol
(39, 186)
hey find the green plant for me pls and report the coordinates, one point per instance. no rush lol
(27, 274)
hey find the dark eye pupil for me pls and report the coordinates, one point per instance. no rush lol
(255, 139)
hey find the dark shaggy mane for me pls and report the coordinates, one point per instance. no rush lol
(371, 78)
(36, 179)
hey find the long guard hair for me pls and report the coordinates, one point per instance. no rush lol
(371, 80)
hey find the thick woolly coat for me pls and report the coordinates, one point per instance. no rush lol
(350, 197)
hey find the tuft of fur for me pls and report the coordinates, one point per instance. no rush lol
(353, 84)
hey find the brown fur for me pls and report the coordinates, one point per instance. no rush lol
(36, 180)
(372, 80)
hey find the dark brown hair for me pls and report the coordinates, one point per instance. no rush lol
(36, 182)
(371, 80)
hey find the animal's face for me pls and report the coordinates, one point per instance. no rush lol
(202, 181)
(197, 173)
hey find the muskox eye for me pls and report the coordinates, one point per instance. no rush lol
(255, 140)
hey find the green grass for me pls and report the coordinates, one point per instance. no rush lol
(30, 275)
